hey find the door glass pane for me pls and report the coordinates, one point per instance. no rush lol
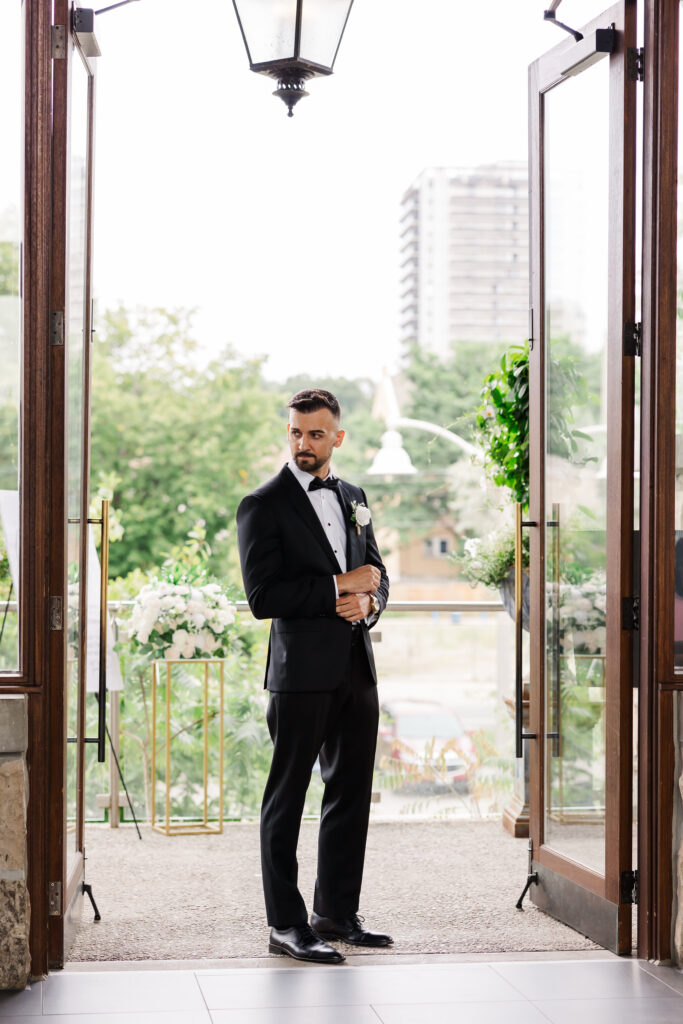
(76, 279)
(11, 235)
(576, 247)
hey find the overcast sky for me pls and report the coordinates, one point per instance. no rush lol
(283, 232)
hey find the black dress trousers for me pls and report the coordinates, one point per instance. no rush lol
(341, 727)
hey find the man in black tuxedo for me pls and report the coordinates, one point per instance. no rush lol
(311, 564)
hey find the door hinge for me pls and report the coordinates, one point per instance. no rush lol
(630, 613)
(54, 902)
(633, 338)
(55, 613)
(531, 328)
(629, 887)
(57, 327)
(635, 63)
(58, 42)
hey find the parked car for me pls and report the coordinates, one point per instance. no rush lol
(424, 746)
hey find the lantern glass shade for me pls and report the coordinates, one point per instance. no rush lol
(322, 27)
(306, 31)
(269, 29)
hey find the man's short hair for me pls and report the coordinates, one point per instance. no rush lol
(312, 399)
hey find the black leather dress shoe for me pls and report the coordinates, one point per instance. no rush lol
(303, 944)
(350, 930)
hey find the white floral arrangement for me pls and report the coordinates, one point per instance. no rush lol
(583, 618)
(179, 620)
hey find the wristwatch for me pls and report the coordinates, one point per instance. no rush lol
(374, 604)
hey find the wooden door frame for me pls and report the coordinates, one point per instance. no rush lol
(63, 926)
(543, 75)
(34, 679)
(657, 782)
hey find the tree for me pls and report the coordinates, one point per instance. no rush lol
(182, 444)
(446, 392)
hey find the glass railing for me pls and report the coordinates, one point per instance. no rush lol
(446, 737)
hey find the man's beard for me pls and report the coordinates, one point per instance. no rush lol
(312, 462)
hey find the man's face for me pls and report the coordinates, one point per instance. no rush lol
(313, 436)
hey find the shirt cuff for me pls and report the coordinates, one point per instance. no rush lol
(336, 588)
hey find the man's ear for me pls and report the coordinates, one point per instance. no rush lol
(339, 438)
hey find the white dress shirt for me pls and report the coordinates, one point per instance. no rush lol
(329, 511)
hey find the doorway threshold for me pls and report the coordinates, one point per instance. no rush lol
(353, 960)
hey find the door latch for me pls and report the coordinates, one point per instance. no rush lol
(54, 902)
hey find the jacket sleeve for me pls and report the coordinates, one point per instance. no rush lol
(372, 557)
(269, 594)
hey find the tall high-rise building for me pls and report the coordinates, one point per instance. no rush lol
(464, 256)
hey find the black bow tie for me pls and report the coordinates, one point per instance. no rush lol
(330, 482)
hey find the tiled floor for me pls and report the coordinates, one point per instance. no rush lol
(606, 991)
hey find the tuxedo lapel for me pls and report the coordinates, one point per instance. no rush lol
(353, 558)
(306, 512)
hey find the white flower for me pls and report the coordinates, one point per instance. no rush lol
(197, 619)
(152, 607)
(208, 641)
(360, 514)
(472, 546)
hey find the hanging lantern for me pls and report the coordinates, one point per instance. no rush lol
(292, 40)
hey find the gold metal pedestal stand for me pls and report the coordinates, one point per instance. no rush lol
(203, 827)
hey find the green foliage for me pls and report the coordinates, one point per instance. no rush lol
(447, 487)
(569, 372)
(9, 268)
(445, 392)
(183, 444)
(354, 395)
(487, 560)
(502, 423)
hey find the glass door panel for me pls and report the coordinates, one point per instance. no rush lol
(576, 205)
(11, 235)
(582, 163)
(75, 407)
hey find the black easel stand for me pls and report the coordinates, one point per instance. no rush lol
(531, 878)
(87, 889)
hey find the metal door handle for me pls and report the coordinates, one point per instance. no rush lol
(101, 738)
(520, 735)
(104, 620)
(556, 734)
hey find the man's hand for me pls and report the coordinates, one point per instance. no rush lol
(353, 607)
(363, 580)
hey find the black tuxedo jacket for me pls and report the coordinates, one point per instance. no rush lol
(287, 567)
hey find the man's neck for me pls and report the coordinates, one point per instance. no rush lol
(323, 472)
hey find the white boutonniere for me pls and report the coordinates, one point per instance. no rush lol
(360, 515)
